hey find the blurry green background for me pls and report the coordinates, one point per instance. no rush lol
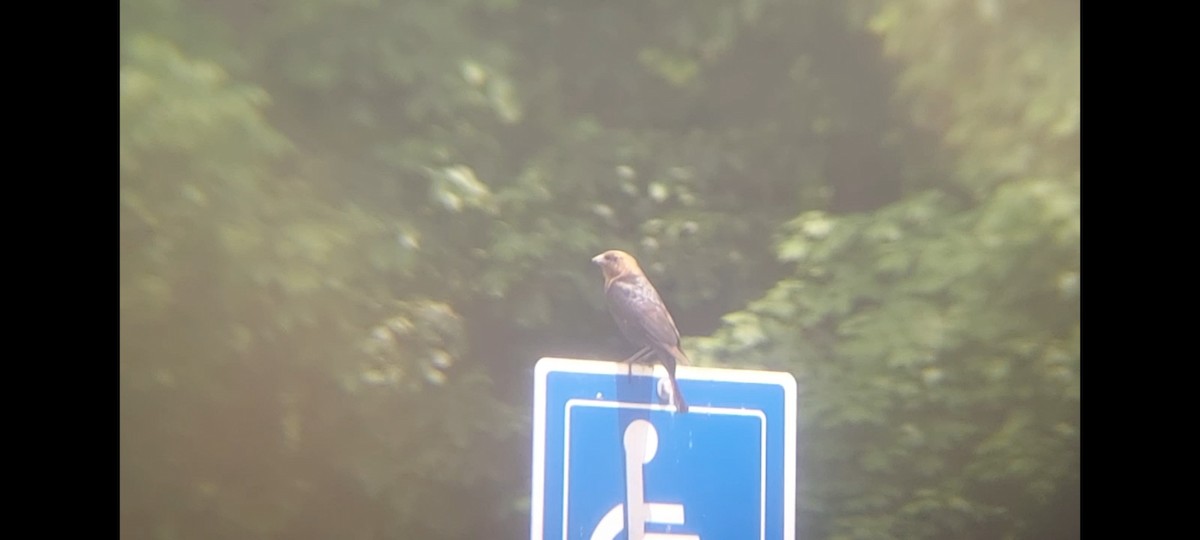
(350, 227)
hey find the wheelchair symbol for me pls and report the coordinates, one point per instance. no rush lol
(641, 444)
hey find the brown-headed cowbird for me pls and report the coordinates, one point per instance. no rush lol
(641, 314)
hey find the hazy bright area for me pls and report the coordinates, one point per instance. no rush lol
(350, 227)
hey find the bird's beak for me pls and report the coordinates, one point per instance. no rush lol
(597, 259)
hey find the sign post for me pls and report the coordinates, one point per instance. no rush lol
(613, 459)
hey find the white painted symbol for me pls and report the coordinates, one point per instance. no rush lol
(641, 444)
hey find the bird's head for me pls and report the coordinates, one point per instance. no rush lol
(616, 263)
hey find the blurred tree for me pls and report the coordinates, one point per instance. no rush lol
(937, 339)
(269, 371)
(349, 227)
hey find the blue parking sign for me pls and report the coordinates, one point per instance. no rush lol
(613, 459)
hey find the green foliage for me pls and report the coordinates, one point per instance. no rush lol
(349, 227)
(936, 340)
(999, 81)
(937, 350)
(235, 268)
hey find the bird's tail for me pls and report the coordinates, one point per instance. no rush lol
(678, 358)
(680, 404)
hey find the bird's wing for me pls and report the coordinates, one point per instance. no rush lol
(640, 312)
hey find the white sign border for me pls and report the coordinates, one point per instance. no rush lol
(762, 473)
(546, 365)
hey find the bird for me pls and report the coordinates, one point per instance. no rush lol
(641, 315)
